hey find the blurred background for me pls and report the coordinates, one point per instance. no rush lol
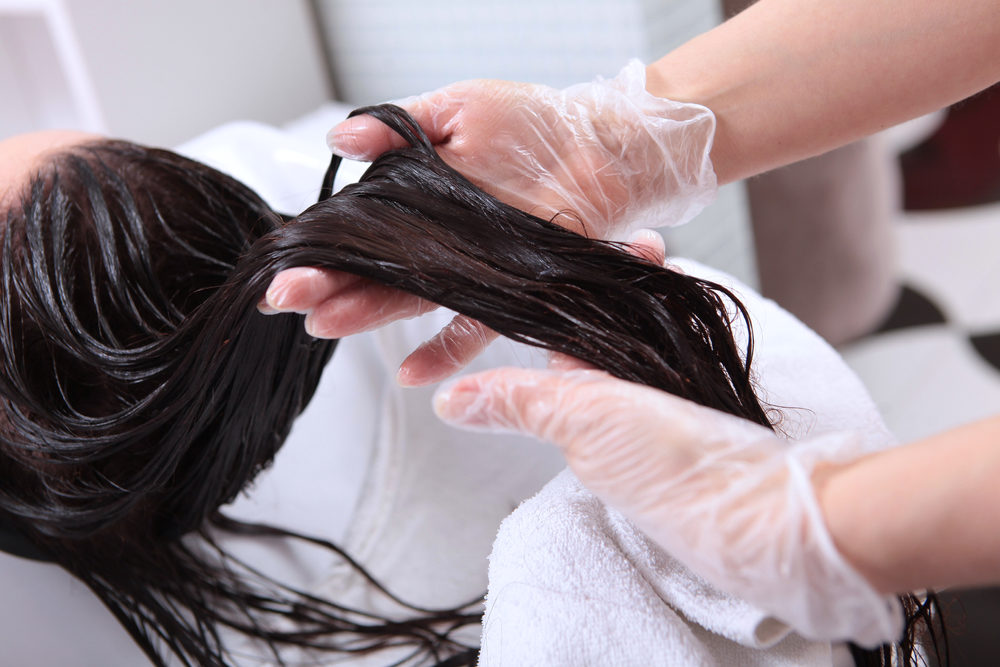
(887, 248)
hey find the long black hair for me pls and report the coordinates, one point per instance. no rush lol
(133, 409)
(141, 390)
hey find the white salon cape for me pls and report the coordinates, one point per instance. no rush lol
(371, 468)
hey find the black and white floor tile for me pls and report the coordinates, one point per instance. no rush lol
(935, 364)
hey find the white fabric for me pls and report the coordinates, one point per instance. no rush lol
(573, 583)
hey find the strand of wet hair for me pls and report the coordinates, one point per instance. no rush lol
(415, 224)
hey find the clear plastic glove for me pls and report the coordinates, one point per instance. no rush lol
(607, 156)
(723, 495)
(601, 158)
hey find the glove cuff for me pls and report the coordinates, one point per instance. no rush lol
(685, 132)
(834, 600)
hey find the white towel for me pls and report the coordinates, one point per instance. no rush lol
(572, 582)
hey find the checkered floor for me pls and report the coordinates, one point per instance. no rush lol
(936, 363)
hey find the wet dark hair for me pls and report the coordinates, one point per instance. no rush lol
(132, 409)
(141, 390)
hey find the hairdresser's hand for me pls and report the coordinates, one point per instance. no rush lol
(340, 304)
(604, 156)
(723, 495)
(601, 158)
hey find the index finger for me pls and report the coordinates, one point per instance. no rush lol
(365, 138)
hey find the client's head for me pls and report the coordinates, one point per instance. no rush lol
(129, 411)
(118, 411)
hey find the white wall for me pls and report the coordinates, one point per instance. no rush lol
(386, 49)
(23, 104)
(162, 72)
(43, 79)
(383, 49)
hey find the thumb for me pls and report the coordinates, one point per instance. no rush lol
(365, 138)
(549, 405)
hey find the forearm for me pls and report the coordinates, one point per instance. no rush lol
(922, 515)
(788, 79)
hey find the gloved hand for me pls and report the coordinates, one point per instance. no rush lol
(601, 158)
(607, 156)
(724, 496)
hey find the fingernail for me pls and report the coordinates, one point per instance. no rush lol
(277, 295)
(264, 309)
(404, 376)
(455, 401)
(408, 376)
(344, 144)
(644, 234)
(310, 326)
